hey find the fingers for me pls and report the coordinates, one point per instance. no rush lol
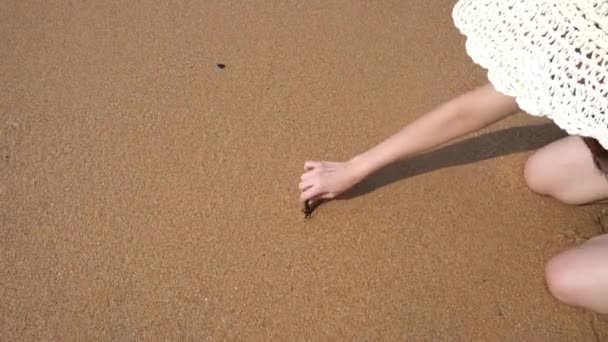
(316, 200)
(305, 184)
(309, 165)
(309, 174)
(314, 167)
(310, 185)
(315, 195)
(310, 193)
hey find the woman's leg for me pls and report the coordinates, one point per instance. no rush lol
(565, 170)
(579, 276)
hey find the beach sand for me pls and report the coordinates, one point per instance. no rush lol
(147, 194)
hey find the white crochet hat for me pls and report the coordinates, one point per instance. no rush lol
(551, 56)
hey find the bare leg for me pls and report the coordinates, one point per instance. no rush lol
(565, 170)
(579, 276)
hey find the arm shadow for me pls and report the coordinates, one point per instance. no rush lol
(483, 147)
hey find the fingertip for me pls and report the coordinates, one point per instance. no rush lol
(310, 192)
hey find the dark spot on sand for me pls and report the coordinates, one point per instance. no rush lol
(603, 223)
(4, 152)
(307, 210)
(499, 310)
(221, 66)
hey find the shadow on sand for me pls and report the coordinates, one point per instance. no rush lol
(483, 147)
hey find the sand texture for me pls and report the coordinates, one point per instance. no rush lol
(148, 194)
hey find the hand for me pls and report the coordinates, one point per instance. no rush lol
(326, 180)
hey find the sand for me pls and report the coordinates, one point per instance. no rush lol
(147, 194)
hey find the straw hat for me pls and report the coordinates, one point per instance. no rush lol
(551, 56)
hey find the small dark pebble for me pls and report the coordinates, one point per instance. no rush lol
(221, 66)
(307, 210)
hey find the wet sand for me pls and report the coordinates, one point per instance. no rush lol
(147, 194)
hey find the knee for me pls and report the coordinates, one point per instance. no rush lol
(535, 175)
(541, 180)
(563, 281)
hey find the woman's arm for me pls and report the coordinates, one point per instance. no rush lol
(462, 115)
(465, 114)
